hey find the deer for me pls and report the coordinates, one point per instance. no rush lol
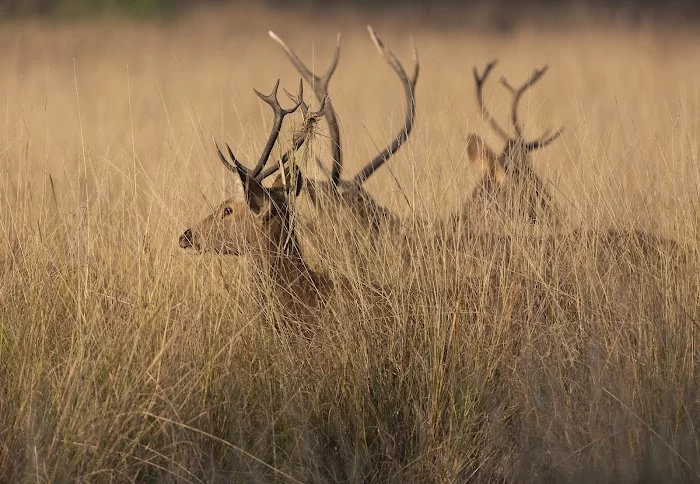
(335, 194)
(262, 225)
(510, 183)
(508, 180)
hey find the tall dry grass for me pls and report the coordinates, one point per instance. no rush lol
(124, 358)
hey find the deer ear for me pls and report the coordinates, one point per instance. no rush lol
(253, 191)
(296, 177)
(480, 154)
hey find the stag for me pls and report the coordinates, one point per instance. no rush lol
(337, 193)
(509, 180)
(260, 225)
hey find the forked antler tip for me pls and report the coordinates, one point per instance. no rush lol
(299, 98)
(507, 85)
(480, 78)
(268, 97)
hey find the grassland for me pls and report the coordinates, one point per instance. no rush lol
(124, 358)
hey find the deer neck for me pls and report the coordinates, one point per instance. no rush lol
(281, 261)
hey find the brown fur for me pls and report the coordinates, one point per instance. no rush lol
(259, 226)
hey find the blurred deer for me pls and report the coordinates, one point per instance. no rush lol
(338, 193)
(508, 179)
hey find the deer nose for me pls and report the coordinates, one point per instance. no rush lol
(186, 239)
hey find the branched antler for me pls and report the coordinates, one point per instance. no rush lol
(480, 80)
(311, 118)
(543, 140)
(280, 113)
(320, 87)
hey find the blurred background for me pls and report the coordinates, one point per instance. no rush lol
(506, 14)
(133, 91)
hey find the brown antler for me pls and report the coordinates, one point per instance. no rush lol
(409, 86)
(479, 80)
(543, 140)
(320, 87)
(311, 118)
(280, 114)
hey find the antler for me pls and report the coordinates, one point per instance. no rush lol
(479, 80)
(311, 118)
(320, 87)
(280, 114)
(543, 140)
(409, 86)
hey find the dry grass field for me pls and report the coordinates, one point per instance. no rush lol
(125, 358)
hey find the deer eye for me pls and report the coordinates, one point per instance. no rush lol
(226, 212)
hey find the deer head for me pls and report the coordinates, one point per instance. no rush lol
(509, 179)
(261, 220)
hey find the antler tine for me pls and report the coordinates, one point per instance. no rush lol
(320, 87)
(280, 114)
(518, 93)
(299, 98)
(409, 85)
(300, 137)
(480, 80)
(236, 167)
(543, 141)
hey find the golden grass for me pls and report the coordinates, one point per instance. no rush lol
(124, 358)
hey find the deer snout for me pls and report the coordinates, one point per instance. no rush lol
(186, 239)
